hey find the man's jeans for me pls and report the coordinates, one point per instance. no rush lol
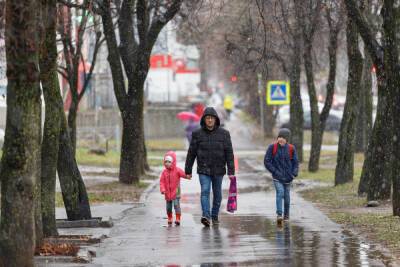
(206, 182)
(282, 192)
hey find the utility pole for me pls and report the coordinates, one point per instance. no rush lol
(260, 94)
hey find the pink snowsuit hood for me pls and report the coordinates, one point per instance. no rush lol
(170, 178)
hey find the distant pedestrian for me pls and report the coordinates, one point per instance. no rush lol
(170, 186)
(281, 160)
(228, 106)
(190, 128)
(198, 108)
(212, 147)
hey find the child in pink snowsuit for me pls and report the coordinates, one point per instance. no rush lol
(170, 186)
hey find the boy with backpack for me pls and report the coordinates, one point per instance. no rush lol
(281, 160)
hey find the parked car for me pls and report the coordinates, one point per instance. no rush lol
(332, 124)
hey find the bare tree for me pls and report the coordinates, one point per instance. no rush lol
(73, 39)
(382, 163)
(139, 24)
(58, 152)
(287, 51)
(345, 159)
(309, 20)
(365, 120)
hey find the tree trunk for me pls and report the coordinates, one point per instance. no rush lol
(146, 163)
(135, 56)
(269, 119)
(38, 199)
(73, 189)
(376, 172)
(396, 189)
(50, 150)
(21, 153)
(365, 107)
(316, 135)
(296, 104)
(377, 167)
(52, 124)
(345, 160)
(382, 159)
(391, 59)
(365, 121)
(396, 148)
(132, 164)
(72, 114)
(131, 107)
(315, 153)
(318, 121)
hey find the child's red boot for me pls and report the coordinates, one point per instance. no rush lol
(169, 218)
(178, 219)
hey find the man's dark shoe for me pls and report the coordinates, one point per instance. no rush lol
(205, 221)
(279, 220)
(286, 218)
(215, 221)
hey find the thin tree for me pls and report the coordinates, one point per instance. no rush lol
(365, 119)
(365, 106)
(56, 145)
(139, 24)
(52, 124)
(345, 159)
(20, 170)
(288, 53)
(73, 40)
(309, 20)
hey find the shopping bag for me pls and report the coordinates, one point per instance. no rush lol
(232, 197)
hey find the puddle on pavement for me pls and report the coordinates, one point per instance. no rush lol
(289, 245)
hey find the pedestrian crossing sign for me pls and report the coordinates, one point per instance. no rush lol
(278, 93)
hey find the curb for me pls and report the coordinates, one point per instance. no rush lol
(146, 193)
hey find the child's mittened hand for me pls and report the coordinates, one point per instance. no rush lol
(162, 193)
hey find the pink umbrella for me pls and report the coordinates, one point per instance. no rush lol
(186, 115)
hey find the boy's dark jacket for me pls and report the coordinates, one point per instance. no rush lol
(280, 165)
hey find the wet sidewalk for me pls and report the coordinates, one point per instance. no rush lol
(248, 237)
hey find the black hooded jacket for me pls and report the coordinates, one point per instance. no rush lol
(213, 149)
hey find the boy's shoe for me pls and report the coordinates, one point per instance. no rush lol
(169, 218)
(286, 218)
(205, 221)
(215, 221)
(178, 219)
(279, 220)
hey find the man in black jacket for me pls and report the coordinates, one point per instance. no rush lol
(212, 147)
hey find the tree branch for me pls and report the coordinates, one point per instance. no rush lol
(114, 57)
(158, 23)
(142, 16)
(374, 48)
(97, 46)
